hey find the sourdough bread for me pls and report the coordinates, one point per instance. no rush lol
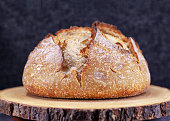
(82, 62)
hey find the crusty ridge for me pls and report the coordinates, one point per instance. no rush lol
(108, 28)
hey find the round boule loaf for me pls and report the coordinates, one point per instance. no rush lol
(82, 62)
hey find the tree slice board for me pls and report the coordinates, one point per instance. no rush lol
(154, 103)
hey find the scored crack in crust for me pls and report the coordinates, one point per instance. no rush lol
(73, 42)
(81, 62)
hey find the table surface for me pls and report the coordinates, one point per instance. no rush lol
(8, 118)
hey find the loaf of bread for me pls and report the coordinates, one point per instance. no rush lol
(87, 63)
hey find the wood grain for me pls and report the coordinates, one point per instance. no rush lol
(154, 103)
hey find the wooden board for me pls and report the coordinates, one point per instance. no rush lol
(154, 103)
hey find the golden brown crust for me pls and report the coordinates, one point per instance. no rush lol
(109, 70)
(109, 29)
(72, 28)
(102, 25)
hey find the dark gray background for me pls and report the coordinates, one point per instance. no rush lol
(23, 23)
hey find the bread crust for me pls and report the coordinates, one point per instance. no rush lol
(110, 71)
(72, 28)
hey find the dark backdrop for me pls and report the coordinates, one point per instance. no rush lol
(23, 23)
